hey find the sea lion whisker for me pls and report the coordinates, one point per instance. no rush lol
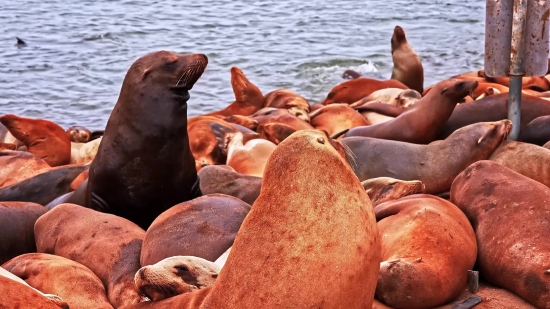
(352, 158)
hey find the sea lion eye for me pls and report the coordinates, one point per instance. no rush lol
(181, 268)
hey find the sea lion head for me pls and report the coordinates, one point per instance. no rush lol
(79, 134)
(455, 89)
(275, 132)
(397, 38)
(175, 275)
(244, 121)
(299, 113)
(383, 189)
(407, 98)
(246, 93)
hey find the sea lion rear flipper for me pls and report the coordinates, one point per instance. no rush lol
(223, 135)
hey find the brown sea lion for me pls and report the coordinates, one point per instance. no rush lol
(547, 145)
(144, 164)
(79, 180)
(78, 134)
(493, 108)
(376, 113)
(7, 146)
(403, 98)
(18, 166)
(248, 97)
(284, 98)
(249, 157)
(84, 152)
(106, 244)
(20, 296)
(245, 121)
(43, 138)
(516, 257)
(174, 276)
(537, 131)
(421, 123)
(336, 118)
(526, 82)
(224, 179)
(384, 189)
(57, 275)
(354, 90)
(483, 87)
(285, 117)
(17, 221)
(304, 231)
(491, 298)
(435, 164)
(275, 132)
(204, 227)
(527, 159)
(428, 246)
(55, 298)
(407, 67)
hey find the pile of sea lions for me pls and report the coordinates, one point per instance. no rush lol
(385, 195)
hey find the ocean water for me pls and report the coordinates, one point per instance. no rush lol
(78, 52)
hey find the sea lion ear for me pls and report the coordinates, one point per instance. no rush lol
(145, 73)
(479, 140)
(444, 90)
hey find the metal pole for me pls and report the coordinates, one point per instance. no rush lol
(516, 66)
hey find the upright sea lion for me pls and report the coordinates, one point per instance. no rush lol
(249, 157)
(275, 132)
(385, 189)
(517, 257)
(422, 122)
(106, 244)
(435, 164)
(284, 98)
(224, 179)
(336, 118)
(144, 164)
(20, 296)
(78, 134)
(43, 138)
(174, 276)
(354, 90)
(17, 221)
(204, 227)
(537, 131)
(57, 275)
(407, 67)
(287, 240)
(248, 97)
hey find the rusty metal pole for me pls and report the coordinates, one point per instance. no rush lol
(516, 66)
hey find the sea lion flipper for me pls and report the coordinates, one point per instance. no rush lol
(223, 135)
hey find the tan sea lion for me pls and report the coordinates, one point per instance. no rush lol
(403, 98)
(43, 138)
(354, 90)
(384, 189)
(73, 282)
(84, 152)
(249, 157)
(510, 214)
(275, 132)
(17, 220)
(21, 296)
(435, 164)
(422, 122)
(287, 240)
(78, 134)
(18, 166)
(106, 244)
(174, 276)
(428, 246)
(407, 67)
(336, 118)
(204, 227)
(224, 179)
(284, 98)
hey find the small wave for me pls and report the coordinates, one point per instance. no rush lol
(98, 37)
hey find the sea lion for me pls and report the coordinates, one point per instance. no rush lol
(208, 139)
(491, 298)
(248, 97)
(304, 231)
(144, 164)
(336, 118)
(285, 117)
(57, 275)
(17, 220)
(428, 246)
(55, 298)
(21, 296)
(376, 113)
(204, 227)
(106, 244)
(354, 90)
(351, 74)
(539, 82)
(174, 276)
(515, 258)
(275, 132)
(384, 189)
(249, 157)
(527, 159)
(284, 98)
(222, 259)
(493, 108)
(84, 152)
(407, 67)
(436, 164)
(43, 138)
(245, 121)
(79, 180)
(392, 96)
(224, 179)
(18, 166)
(297, 112)
(421, 123)
(7, 146)
(484, 87)
(537, 131)
(547, 145)
(78, 134)
(44, 187)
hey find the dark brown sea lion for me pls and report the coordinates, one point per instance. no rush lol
(275, 132)
(435, 164)
(106, 244)
(351, 74)
(224, 179)
(354, 90)
(510, 214)
(407, 67)
(287, 240)
(537, 131)
(17, 221)
(384, 189)
(336, 118)
(428, 246)
(284, 98)
(78, 134)
(204, 227)
(51, 274)
(422, 122)
(144, 164)
(43, 138)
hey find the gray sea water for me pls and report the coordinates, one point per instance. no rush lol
(78, 51)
